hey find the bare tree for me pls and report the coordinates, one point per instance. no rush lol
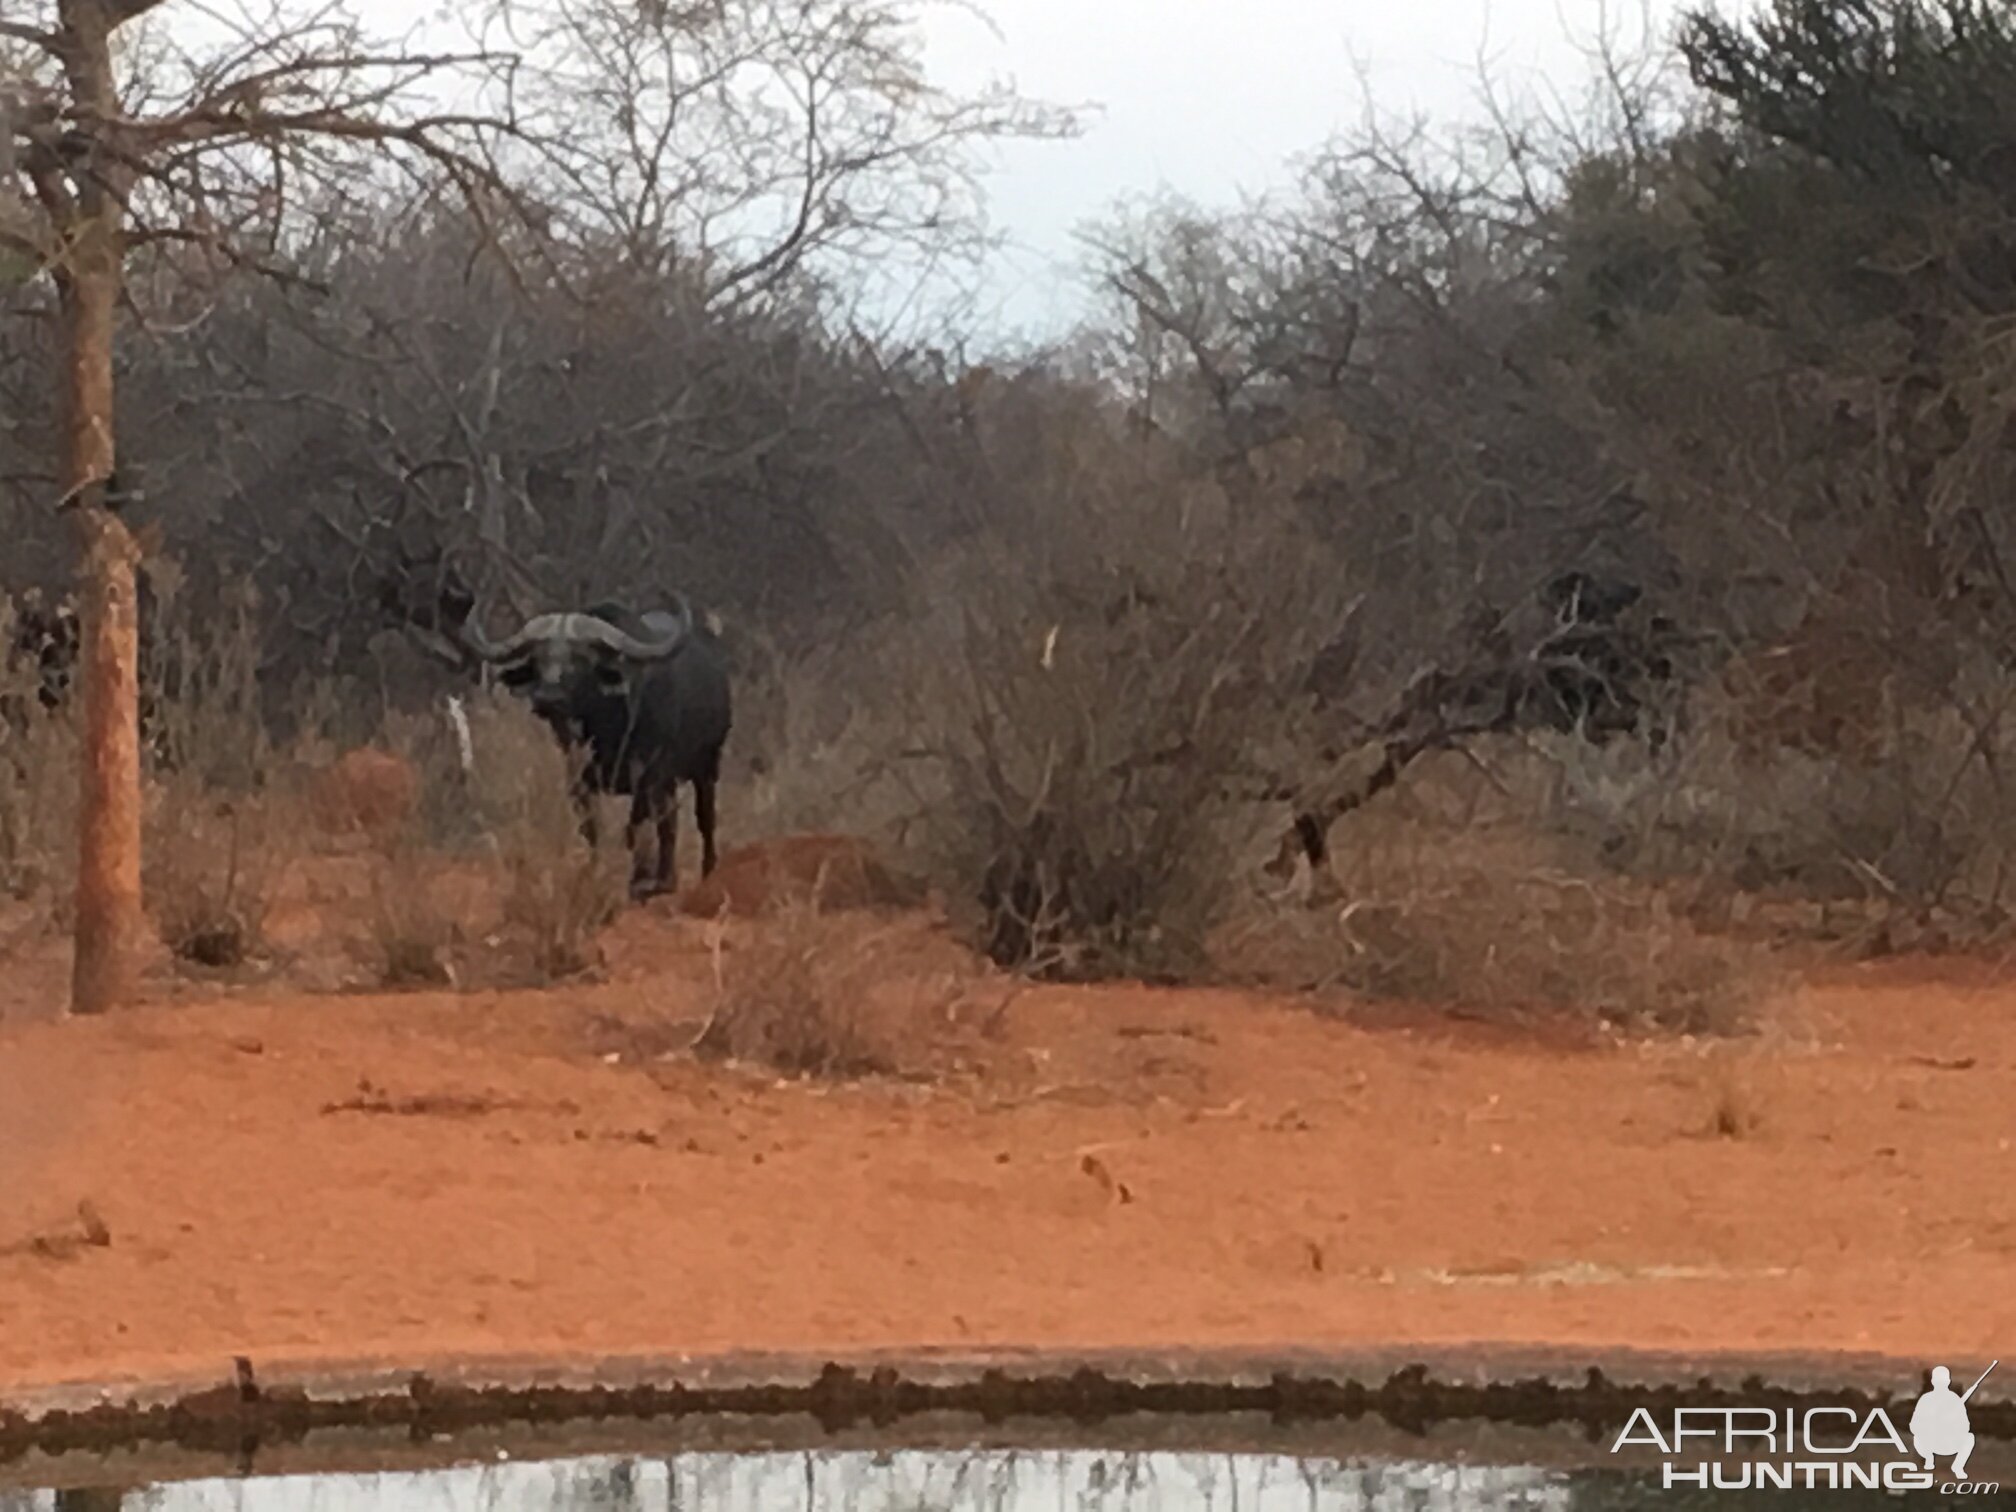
(738, 144)
(132, 127)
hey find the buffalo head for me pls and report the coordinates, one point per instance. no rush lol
(565, 663)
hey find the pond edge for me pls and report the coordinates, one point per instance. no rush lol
(245, 1406)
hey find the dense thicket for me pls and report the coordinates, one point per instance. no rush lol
(1738, 341)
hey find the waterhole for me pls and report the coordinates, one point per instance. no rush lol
(991, 1479)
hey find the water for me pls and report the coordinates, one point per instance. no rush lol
(990, 1480)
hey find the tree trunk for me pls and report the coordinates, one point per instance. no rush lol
(105, 971)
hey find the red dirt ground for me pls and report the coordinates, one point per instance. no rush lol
(297, 1177)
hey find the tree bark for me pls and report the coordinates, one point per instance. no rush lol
(110, 922)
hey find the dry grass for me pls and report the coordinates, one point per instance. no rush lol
(205, 720)
(224, 819)
(1543, 875)
(819, 742)
(812, 994)
(1549, 945)
(1502, 923)
(559, 895)
(455, 810)
(213, 869)
(1904, 841)
(1070, 775)
(413, 936)
(38, 784)
(365, 792)
(38, 811)
(1736, 1110)
(511, 806)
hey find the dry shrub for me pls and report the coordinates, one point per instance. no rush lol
(39, 751)
(414, 933)
(815, 994)
(1735, 1105)
(38, 809)
(366, 791)
(223, 817)
(1500, 922)
(1903, 837)
(513, 765)
(511, 806)
(558, 892)
(204, 720)
(1545, 945)
(214, 864)
(1117, 654)
(819, 741)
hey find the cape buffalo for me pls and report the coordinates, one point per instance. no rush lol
(640, 701)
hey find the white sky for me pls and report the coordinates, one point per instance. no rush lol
(1206, 98)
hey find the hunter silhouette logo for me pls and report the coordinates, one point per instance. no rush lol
(1822, 1446)
(1939, 1422)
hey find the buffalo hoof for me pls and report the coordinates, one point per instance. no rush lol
(644, 889)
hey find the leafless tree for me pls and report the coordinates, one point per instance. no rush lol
(738, 144)
(134, 127)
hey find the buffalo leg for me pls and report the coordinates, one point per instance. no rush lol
(1315, 843)
(668, 836)
(654, 812)
(703, 811)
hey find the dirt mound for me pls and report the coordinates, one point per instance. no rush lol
(835, 871)
(366, 790)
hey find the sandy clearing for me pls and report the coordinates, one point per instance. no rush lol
(1166, 1170)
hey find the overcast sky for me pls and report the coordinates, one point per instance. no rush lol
(1205, 98)
(1210, 97)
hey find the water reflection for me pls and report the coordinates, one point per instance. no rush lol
(918, 1481)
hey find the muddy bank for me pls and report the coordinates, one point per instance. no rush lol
(1250, 1402)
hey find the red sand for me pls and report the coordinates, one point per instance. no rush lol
(1290, 1180)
